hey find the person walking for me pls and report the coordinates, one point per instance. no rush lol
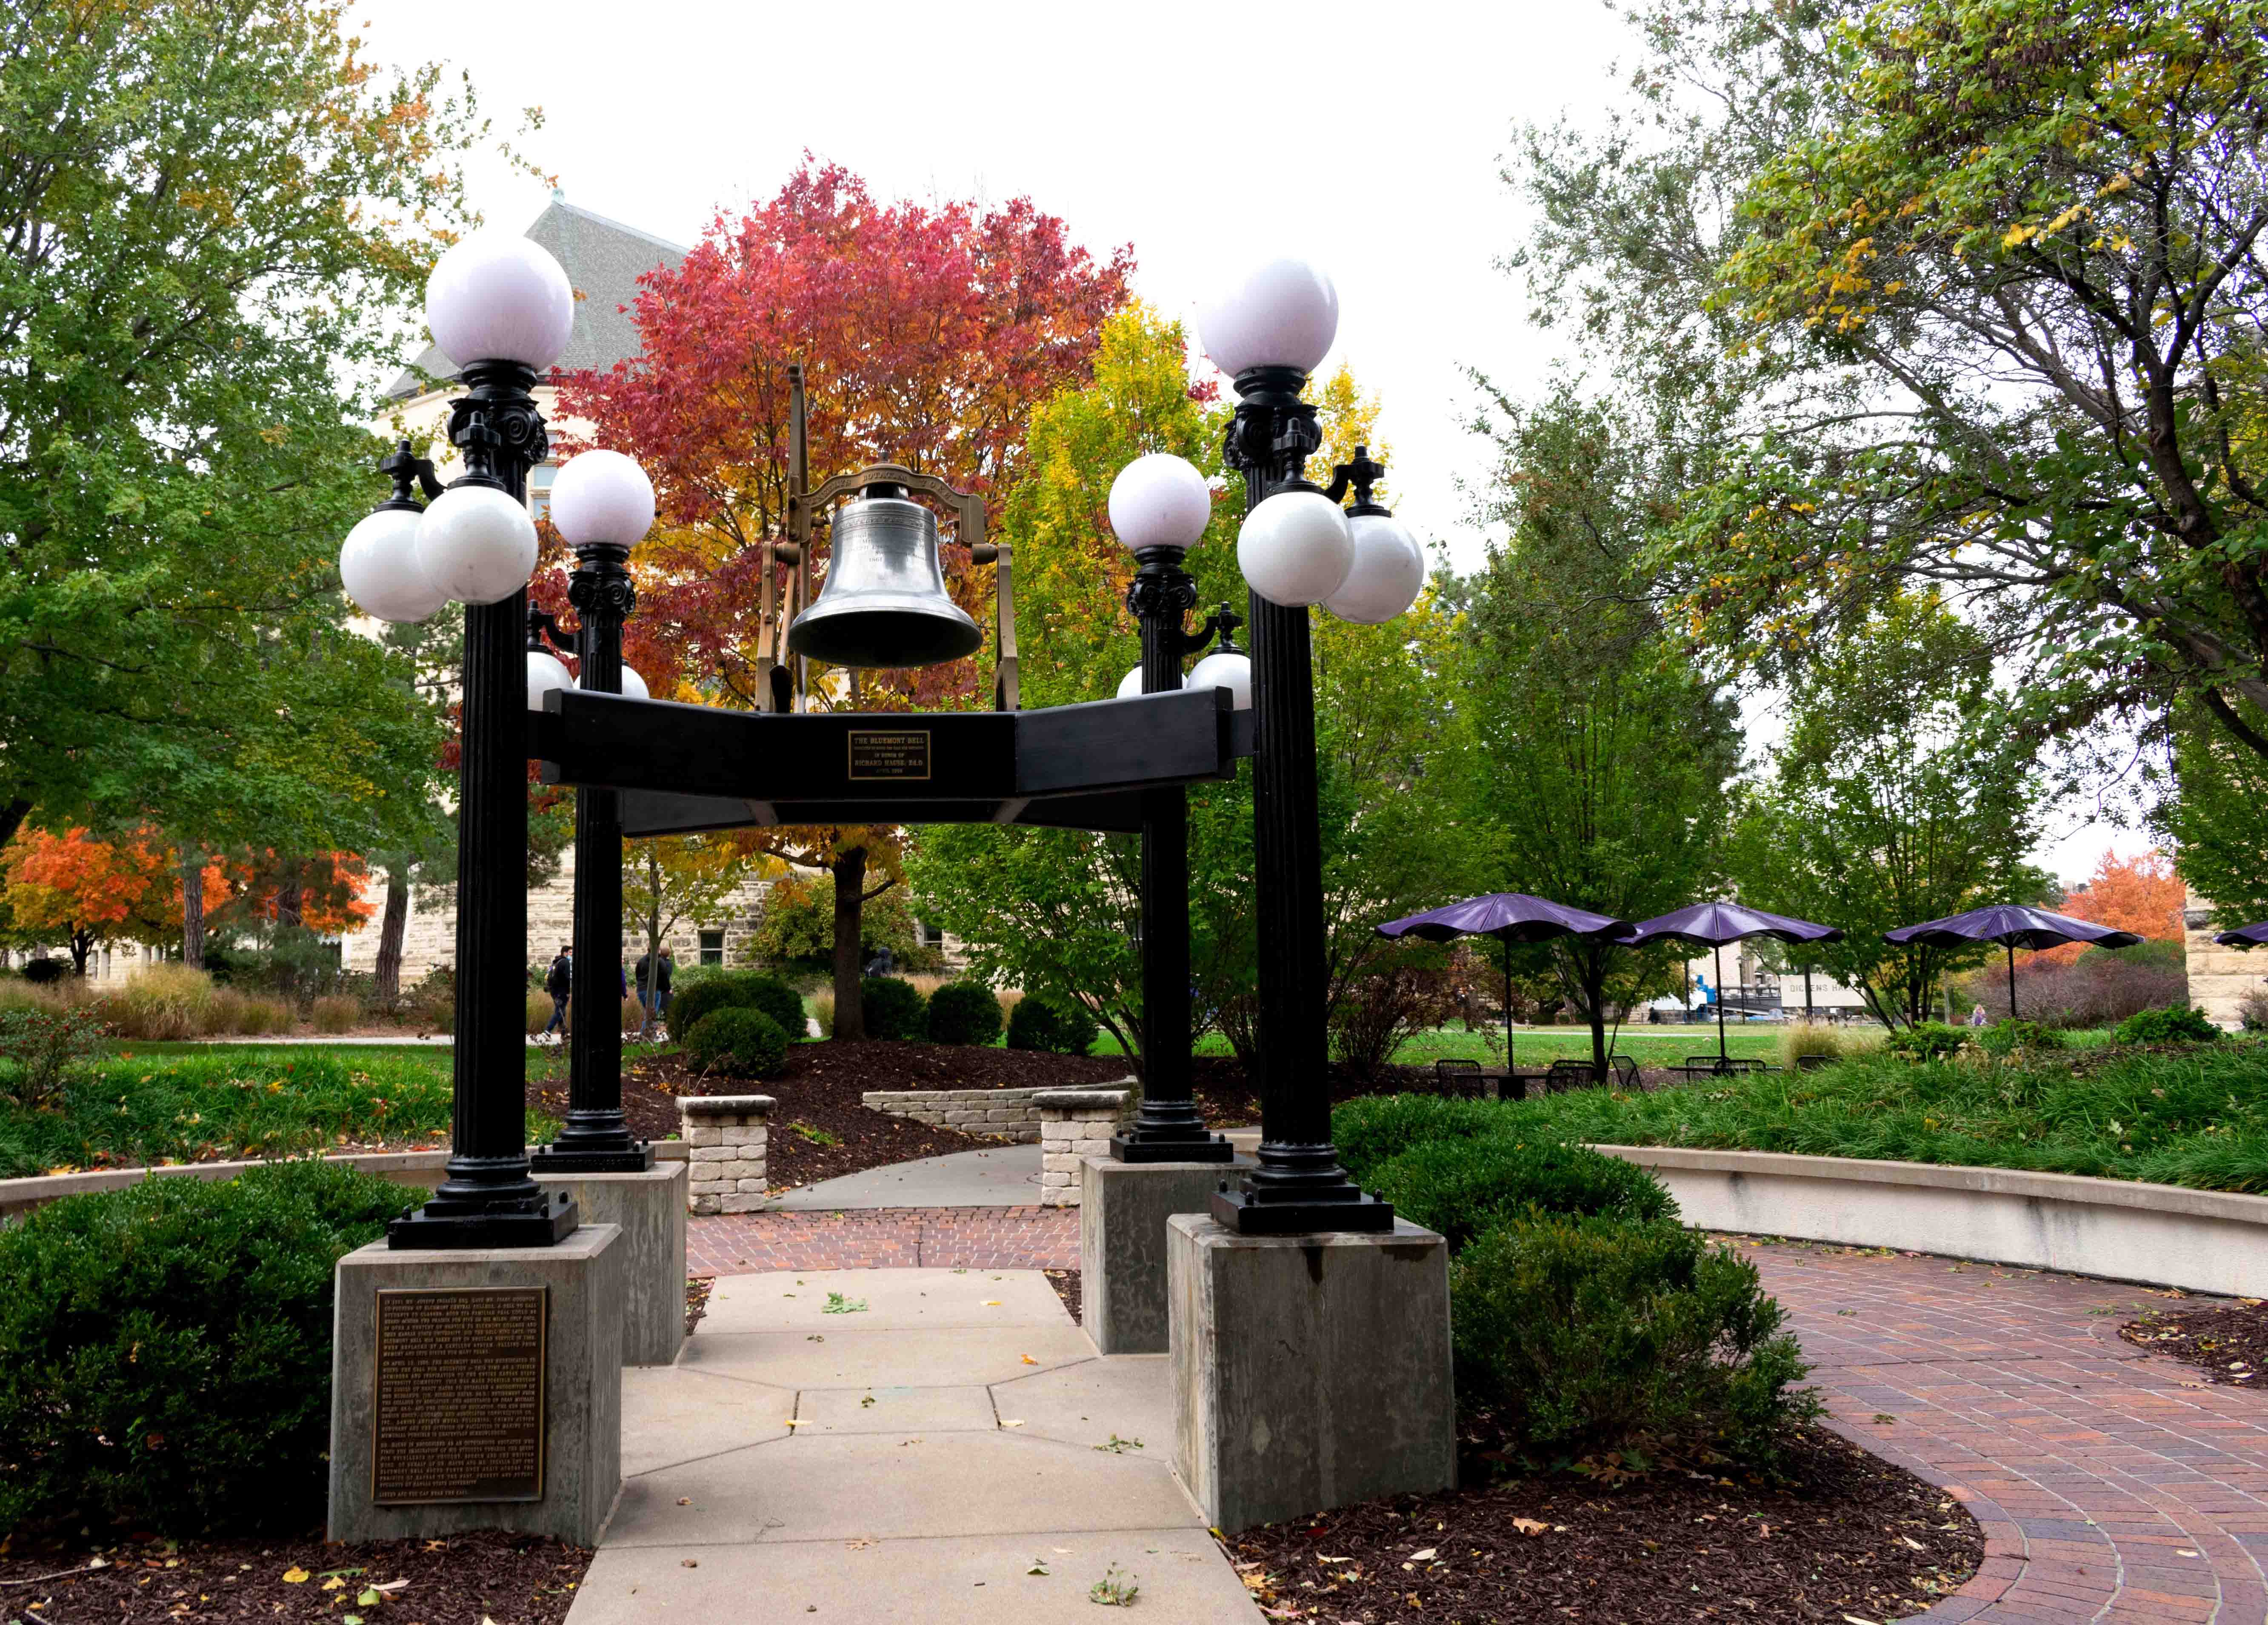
(661, 975)
(559, 982)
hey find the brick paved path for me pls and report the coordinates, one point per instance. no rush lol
(1029, 1237)
(2110, 1484)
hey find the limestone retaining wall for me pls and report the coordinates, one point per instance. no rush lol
(1074, 1125)
(728, 1140)
(1003, 1114)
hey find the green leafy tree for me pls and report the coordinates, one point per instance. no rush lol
(1901, 794)
(209, 217)
(2216, 818)
(1960, 293)
(1600, 754)
(797, 932)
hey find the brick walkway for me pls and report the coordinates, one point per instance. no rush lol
(2110, 1484)
(884, 1238)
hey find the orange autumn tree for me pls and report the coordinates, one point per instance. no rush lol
(2141, 894)
(927, 335)
(89, 891)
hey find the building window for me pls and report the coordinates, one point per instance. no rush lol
(712, 947)
(927, 934)
(539, 488)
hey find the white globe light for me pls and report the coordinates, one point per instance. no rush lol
(476, 544)
(1224, 670)
(634, 686)
(378, 568)
(545, 673)
(497, 296)
(1389, 569)
(1294, 549)
(1161, 501)
(1130, 686)
(602, 497)
(1280, 314)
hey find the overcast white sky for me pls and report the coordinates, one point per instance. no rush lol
(1369, 136)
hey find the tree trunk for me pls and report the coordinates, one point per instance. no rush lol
(391, 926)
(192, 908)
(82, 945)
(653, 937)
(288, 896)
(849, 908)
(1594, 993)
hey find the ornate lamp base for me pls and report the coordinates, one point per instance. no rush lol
(545, 1220)
(1133, 1145)
(543, 1159)
(1249, 1213)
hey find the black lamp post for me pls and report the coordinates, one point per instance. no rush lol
(504, 302)
(603, 503)
(1166, 1126)
(1297, 548)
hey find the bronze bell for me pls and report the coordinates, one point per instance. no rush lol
(884, 603)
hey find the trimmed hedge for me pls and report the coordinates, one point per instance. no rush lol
(735, 989)
(738, 1040)
(1039, 1022)
(893, 1008)
(1372, 1130)
(1583, 1333)
(169, 1349)
(964, 1012)
(1463, 1187)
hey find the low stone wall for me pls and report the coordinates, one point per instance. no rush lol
(2120, 1229)
(1074, 1124)
(1003, 1114)
(729, 1138)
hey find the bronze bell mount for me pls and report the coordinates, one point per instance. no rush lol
(884, 603)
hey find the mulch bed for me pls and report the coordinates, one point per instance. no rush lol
(1066, 1283)
(1844, 1535)
(464, 1580)
(2227, 1342)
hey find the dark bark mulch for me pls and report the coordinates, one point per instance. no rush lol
(2227, 1342)
(1844, 1535)
(463, 1580)
(1066, 1283)
(697, 1300)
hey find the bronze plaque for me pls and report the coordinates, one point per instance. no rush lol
(903, 754)
(458, 1410)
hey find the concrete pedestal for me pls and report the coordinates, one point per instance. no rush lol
(582, 1386)
(649, 1209)
(1123, 1210)
(1310, 1372)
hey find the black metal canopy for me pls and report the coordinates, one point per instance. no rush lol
(685, 768)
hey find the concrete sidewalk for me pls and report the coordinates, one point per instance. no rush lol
(887, 1445)
(1007, 1176)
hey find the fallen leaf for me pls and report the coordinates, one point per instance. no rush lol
(1529, 1526)
(371, 1598)
(1425, 1556)
(1910, 1541)
(296, 1575)
(1007, 1423)
(991, 1302)
(1852, 1618)
(1029, 1360)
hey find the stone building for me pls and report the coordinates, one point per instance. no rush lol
(2219, 977)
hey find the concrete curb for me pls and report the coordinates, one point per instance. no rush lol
(2118, 1230)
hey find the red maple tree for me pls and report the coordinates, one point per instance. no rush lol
(927, 335)
(2141, 894)
(90, 891)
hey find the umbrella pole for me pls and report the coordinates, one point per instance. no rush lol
(1717, 958)
(2012, 982)
(1507, 1010)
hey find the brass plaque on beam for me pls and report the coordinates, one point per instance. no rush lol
(896, 754)
(457, 1411)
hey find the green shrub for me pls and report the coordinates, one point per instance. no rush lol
(40, 972)
(1046, 1024)
(777, 999)
(738, 1040)
(693, 997)
(1929, 1041)
(1372, 1130)
(1463, 1187)
(170, 1348)
(2175, 1024)
(2008, 1037)
(964, 1012)
(42, 1043)
(1584, 1333)
(893, 1008)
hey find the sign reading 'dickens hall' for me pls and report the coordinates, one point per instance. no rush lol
(459, 1413)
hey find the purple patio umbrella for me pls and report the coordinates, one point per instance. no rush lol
(2012, 927)
(1715, 924)
(1509, 917)
(2245, 937)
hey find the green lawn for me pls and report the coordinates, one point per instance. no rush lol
(2196, 1117)
(1652, 1046)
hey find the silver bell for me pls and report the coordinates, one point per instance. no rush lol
(884, 603)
